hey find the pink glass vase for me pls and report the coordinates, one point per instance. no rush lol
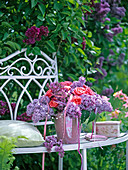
(72, 129)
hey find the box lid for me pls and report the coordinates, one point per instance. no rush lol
(108, 123)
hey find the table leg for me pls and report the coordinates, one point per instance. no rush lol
(60, 164)
(84, 155)
(127, 155)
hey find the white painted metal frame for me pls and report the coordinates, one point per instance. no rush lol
(84, 144)
(49, 73)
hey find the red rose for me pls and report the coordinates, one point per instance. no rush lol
(83, 90)
(88, 90)
(79, 91)
(49, 93)
(76, 100)
(53, 103)
(66, 83)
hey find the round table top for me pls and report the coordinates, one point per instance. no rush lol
(84, 144)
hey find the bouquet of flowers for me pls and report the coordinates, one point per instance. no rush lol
(74, 98)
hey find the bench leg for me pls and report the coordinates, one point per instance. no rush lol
(60, 164)
(84, 155)
(127, 155)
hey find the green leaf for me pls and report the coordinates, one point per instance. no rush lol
(81, 51)
(8, 49)
(89, 34)
(58, 6)
(66, 13)
(11, 44)
(64, 35)
(83, 33)
(6, 35)
(57, 29)
(89, 43)
(88, 61)
(42, 8)
(69, 39)
(6, 24)
(29, 50)
(126, 31)
(92, 117)
(36, 51)
(91, 79)
(99, 71)
(40, 17)
(65, 25)
(17, 46)
(81, 21)
(51, 45)
(1, 14)
(72, 76)
(33, 3)
(87, 8)
(71, 1)
(84, 116)
(73, 28)
(0, 51)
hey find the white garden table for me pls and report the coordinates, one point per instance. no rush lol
(84, 144)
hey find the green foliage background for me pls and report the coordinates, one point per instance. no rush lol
(64, 21)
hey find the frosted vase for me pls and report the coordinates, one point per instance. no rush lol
(72, 129)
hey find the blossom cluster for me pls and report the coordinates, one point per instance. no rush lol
(39, 109)
(4, 109)
(34, 34)
(124, 98)
(67, 97)
(102, 9)
(52, 141)
(99, 65)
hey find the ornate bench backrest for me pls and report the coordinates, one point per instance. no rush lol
(23, 78)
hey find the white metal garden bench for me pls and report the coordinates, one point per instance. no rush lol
(32, 68)
(43, 68)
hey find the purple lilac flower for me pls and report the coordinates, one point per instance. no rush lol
(39, 109)
(95, 102)
(73, 111)
(35, 34)
(111, 52)
(51, 141)
(2, 111)
(88, 83)
(117, 12)
(13, 105)
(44, 31)
(117, 30)
(32, 32)
(109, 36)
(102, 10)
(2, 103)
(120, 59)
(98, 75)
(24, 117)
(107, 92)
(106, 19)
(79, 83)
(82, 80)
